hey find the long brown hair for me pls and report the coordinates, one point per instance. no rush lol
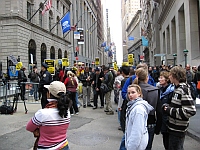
(141, 75)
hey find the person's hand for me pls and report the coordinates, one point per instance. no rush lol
(97, 89)
(92, 82)
(119, 109)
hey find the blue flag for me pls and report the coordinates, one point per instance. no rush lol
(145, 42)
(106, 48)
(130, 38)
(103, 44)
(65, 23)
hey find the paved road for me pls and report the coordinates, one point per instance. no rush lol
(91, 129)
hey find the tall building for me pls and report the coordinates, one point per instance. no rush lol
(85, 16)
(128, 11)
(22, 35)
(178, 24)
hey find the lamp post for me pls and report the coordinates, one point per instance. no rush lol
(185, 51)
(174, 55)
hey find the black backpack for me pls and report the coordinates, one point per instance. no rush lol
(4, 109)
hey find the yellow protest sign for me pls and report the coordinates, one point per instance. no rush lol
(65, 62)
(51, 65)
(115, 66)
(125, 64)
(130, 59)
(19, 65)
(97, 61)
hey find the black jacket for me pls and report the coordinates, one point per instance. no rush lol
(97, 82)
(83, 78)
(45, 79)
(152, 95)
(21, 76)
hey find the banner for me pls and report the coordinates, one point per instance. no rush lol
(65, 62)
(65, 23)
(131, 38)
(77, 35)
(81, 40)
(47, 6)
(51, 65)
(145, 42)
(97, 61)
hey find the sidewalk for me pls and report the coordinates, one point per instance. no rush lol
(194, 126)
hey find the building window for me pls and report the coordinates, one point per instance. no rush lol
(65, 54)
(57, 4)
(52, 53)
(50, 19)
(28, 10)
(43, 52)
(59, 53)
(40, 18)
(63, 9)
(57, 27)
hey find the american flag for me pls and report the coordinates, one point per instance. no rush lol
(47, 6)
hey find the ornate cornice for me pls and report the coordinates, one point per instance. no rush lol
(165, 11)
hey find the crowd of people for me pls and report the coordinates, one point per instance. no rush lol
(150, 100)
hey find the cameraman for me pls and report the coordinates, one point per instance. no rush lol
(22, 78)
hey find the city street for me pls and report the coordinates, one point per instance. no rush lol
(91, 129)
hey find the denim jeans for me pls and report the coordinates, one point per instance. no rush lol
(151, 136)
(119, 116)
(122, 145)
(175, 142)
(35, 88)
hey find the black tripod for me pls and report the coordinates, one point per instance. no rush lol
(16, 98)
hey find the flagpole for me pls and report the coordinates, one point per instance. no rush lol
(91, 26)
(58, 21)
(37, 11)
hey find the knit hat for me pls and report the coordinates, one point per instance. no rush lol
(56, 87)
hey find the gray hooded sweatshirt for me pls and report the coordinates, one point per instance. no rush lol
(136, 134)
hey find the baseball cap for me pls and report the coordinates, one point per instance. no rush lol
(56, 87)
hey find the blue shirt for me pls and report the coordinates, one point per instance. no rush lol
(127, 83)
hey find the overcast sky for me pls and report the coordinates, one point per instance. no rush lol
(114, 16)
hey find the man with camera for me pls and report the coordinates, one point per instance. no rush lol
(21, 79)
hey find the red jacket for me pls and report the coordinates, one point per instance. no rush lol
(71, 84)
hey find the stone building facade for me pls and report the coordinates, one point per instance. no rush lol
(21, 36)
(179, 30)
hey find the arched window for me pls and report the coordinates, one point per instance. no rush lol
(59, 53)
(65, 54)
(43, 52)
(31, 51)
(52, 53)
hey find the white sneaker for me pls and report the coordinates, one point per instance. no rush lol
(30, 95)
(77, 113)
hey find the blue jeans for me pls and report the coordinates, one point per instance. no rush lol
(122, 145)
(35, 89)
(119, 114)
(151, 129)
(175, 142)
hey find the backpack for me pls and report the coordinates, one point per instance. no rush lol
(114, 76)
(4, 109)
(104, 88)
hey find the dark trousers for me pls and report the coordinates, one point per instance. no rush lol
(74, 107)
(151, 136)
(96, 94)
(23, 90)
(175, 142)
(166, 140)
(44, 101)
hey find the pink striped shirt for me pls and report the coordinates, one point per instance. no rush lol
(53, 128)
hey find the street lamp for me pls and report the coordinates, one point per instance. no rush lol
(185, 51)
(174, 55)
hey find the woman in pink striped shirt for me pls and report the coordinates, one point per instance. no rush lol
(53, 121)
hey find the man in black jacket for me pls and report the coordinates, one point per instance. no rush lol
(46, 79)
(86, 79)
(96, 88)
(21, 79)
